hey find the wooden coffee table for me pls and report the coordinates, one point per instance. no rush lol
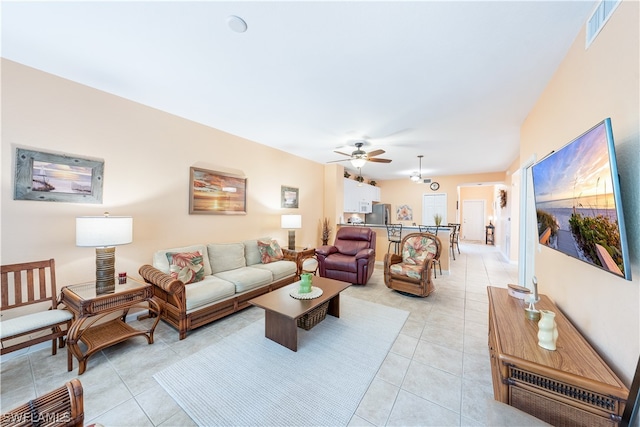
(281, 311)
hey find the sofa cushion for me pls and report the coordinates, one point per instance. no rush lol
(208, 290)
(161, 262)
(246, 278)
(270, 251)
(251, 251)
(226, 256)
(187, 267)
(279, 269)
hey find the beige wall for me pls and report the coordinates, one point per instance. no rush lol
(147, 154)
(405, 192)
(589, 86)
(333, 197)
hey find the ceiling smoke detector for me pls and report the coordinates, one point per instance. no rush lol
(236, 24)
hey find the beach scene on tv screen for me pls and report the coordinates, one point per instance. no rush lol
(575, 205)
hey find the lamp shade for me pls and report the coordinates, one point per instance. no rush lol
(99, 231)
(291, 221)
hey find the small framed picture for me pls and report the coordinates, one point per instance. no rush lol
(52, 177)
(289, 197)
(404, 213)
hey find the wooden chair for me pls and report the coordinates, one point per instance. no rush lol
(31, 284)
(410, 272)
(63, 406)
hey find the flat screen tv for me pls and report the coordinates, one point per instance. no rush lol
(578, 204)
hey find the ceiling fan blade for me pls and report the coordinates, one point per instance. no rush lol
(380, 160)
(344, 154)
(336, 161)
(375, 153)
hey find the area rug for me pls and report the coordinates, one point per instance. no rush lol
(247, 379)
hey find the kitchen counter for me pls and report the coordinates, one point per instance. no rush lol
(413, 228)
(382, 242)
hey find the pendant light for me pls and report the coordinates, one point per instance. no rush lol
(417, 177)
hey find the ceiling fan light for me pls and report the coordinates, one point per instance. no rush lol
(358, 163)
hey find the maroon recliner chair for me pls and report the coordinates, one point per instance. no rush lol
(351, 258)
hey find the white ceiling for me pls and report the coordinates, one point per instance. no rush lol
(450, 80)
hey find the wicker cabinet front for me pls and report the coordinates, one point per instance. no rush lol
(571, 386)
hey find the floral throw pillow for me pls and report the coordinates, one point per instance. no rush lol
(187, 267)
(270, 251)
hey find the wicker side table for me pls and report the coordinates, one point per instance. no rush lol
(299, 255)
(89, 308)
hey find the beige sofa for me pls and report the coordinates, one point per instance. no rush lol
(233, 274)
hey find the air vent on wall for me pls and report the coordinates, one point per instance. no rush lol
(598, 18)
(427, 181)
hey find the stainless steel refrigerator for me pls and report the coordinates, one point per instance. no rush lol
(380, 214)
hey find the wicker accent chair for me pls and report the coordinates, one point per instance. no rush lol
(63, 406)
(31, 284)
(410, 271)
(352, 257)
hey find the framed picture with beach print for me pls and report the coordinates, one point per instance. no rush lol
(217, 193)
(289, 197)
(50, 177)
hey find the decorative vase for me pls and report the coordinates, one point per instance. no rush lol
(547, 330)
(305, 283)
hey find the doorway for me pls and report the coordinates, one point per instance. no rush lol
(472, 227)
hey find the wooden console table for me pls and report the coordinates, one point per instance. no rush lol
(89, 307)
(571, 386)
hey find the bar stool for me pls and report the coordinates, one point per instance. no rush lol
(455, 238)
(436, 260)
(394, 235)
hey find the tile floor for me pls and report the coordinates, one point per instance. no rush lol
(437, 372)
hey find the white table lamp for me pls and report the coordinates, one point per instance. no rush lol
(291, 222)
(103, 233)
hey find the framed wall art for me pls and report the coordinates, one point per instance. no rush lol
(217, 193)
(289, 197)
(57, 178)
(404, 213)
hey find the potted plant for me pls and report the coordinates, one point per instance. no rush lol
(347, 174)
(373, 183)
(359, 178)
(326, 232)
(437, 218)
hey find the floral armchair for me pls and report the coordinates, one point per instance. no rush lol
(410, 271)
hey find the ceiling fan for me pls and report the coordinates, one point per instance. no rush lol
(359, 157)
